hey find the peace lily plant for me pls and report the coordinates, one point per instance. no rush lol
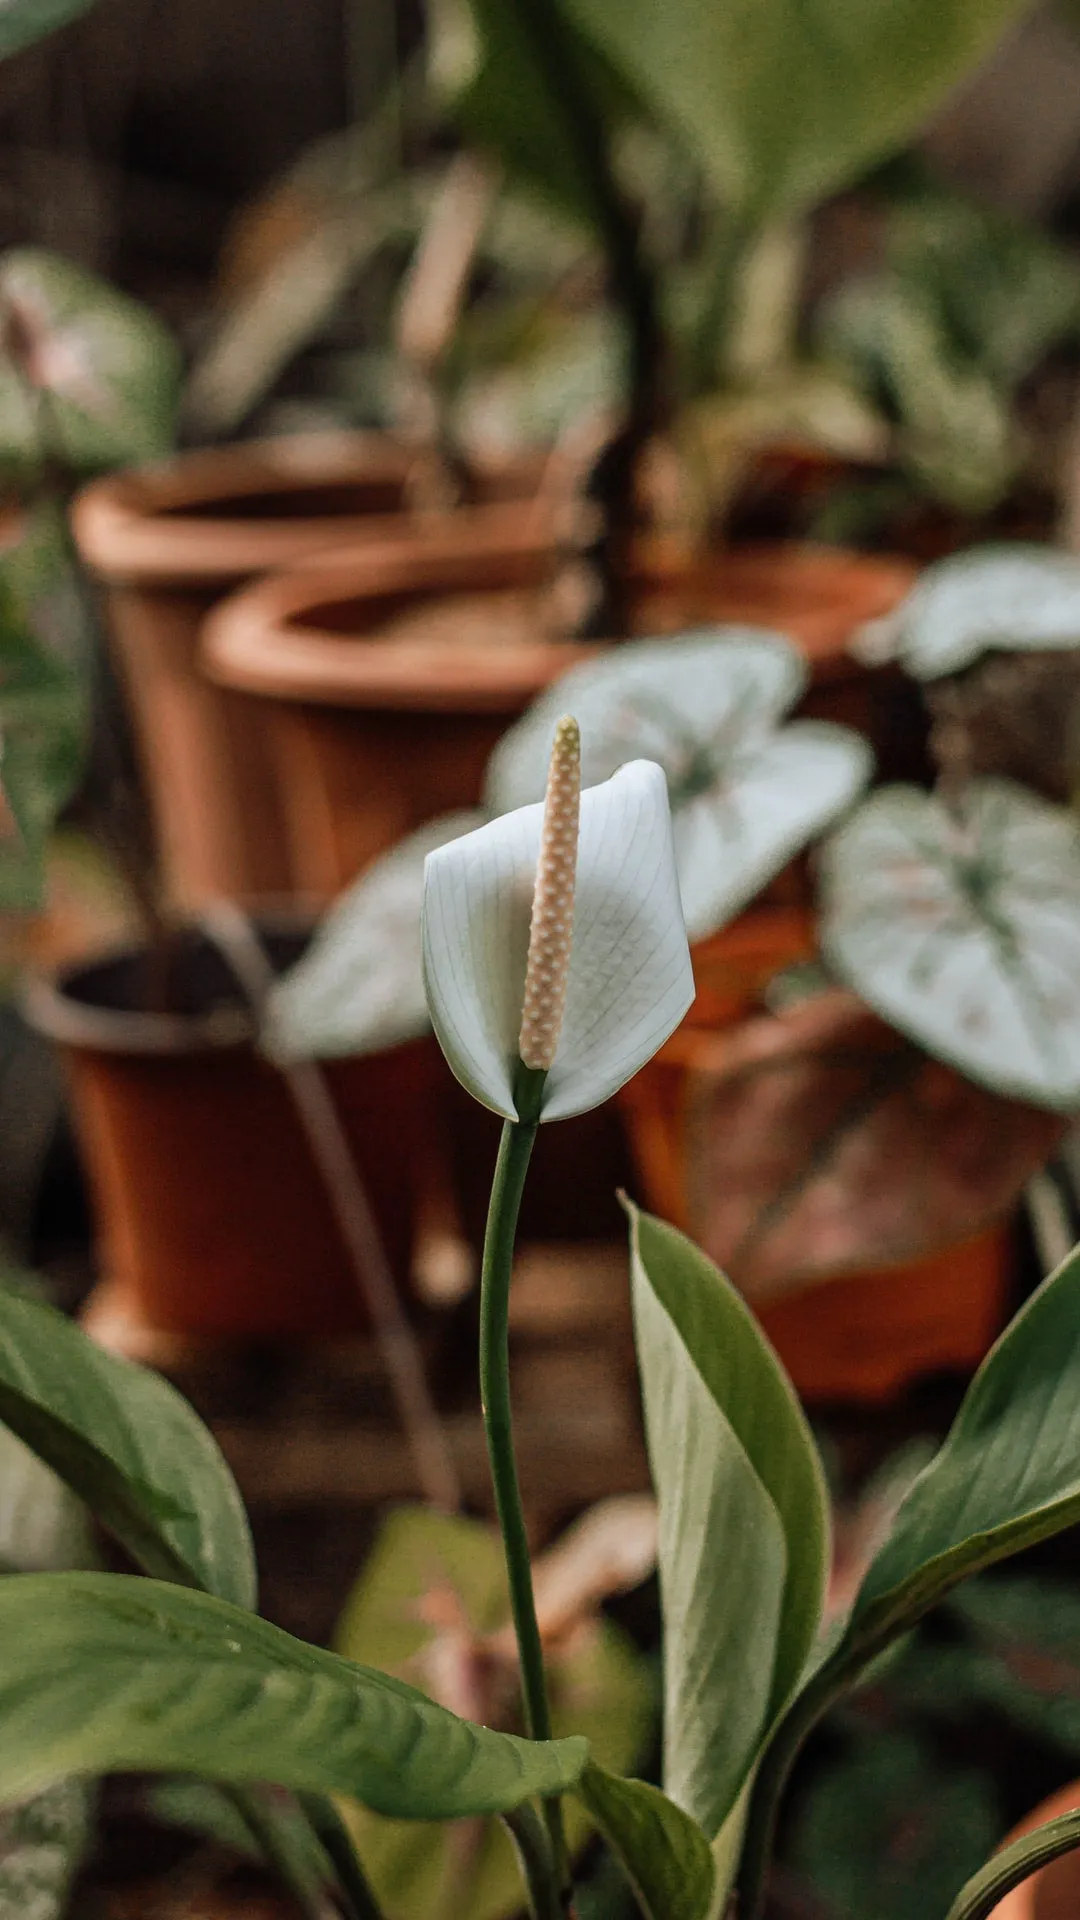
(555, 961)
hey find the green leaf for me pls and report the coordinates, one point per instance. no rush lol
(518, 103)
(91, 377)
(1007, 1475)
(961, 927)
(745, 794)
(743, 1518)
(43, 1842)
(433, 1585)
(129, 1446)
(663, 1852)
(359, 986)
(782, 101)
(1014, 1864)
(24, 21)
(103, 1673)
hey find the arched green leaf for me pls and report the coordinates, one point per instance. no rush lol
(663, 1853)
(1014, 1864)
(129, 1445)
(103, 1673)
(24, 21)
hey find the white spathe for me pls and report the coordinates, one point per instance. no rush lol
(630, 975)
(746, 793)
(359, 988)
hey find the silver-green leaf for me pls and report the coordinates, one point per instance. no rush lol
(1003, 598)
(962, 929)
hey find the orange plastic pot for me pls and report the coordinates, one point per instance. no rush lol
(863, 1335)
(168, 541)
(391, 679)
(212, 1220)
(1054, 1892)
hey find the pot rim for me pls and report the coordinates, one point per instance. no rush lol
(143, 526)
(256, 642)
(52, 1006)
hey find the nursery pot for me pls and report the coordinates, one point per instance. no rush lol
(1054, 1892)
(849, 1332)
(390, 679)
(212, 1220)
(167, 541)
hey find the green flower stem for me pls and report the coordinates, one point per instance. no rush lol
(819, 1694)
(515, 1149)
(533, 1847)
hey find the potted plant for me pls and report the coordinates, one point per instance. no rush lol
(170, 1668)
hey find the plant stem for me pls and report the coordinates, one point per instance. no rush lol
(533, 1847)
(262, 1825)
(233, 934)
(633, 289)
(331, 1830)
(772, 1777)
(515, 1149)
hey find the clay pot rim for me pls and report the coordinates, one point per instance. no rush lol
(53, 1007)
(143, 525)
(252, 642)
(255, 643)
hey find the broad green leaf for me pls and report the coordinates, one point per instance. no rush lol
(1014, 1864)
(433, 1587)
(130, 1447)
(24, 21)
(103, 1673)
(781, 103)
(1007, 598)
(1007, 1475)
(962, 929)
(664, 1853)
(744, 796)
(743, 1518)
(43, 1842)
(545, 100)
(630, 975)
(359, 987)
(955, 429)
(98, 375)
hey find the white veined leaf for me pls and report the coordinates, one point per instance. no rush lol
(744, 796)
(630, 975)
(1005, 597)
(43, 1842)
(965, 933)
(109, 369)
(359, 988)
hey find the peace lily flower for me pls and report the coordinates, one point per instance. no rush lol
(746, 792)
(609, 974)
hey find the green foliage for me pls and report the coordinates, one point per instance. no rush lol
(101, 1673)
(42, 1844)
(88, 377)
(664, 1853)
(891, 1830)
(780, 103)
(743, 1518)
(24, 21)
(979, 1898)
(434, 1585)
(960, 925)
(129, 1445)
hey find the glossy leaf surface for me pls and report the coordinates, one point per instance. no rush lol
(105, 1673)
(128, 1445)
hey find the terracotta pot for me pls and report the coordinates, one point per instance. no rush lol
(211, 1217)
(1054, 1892)
(392, 679)
(882, 1263)
(168, 541)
